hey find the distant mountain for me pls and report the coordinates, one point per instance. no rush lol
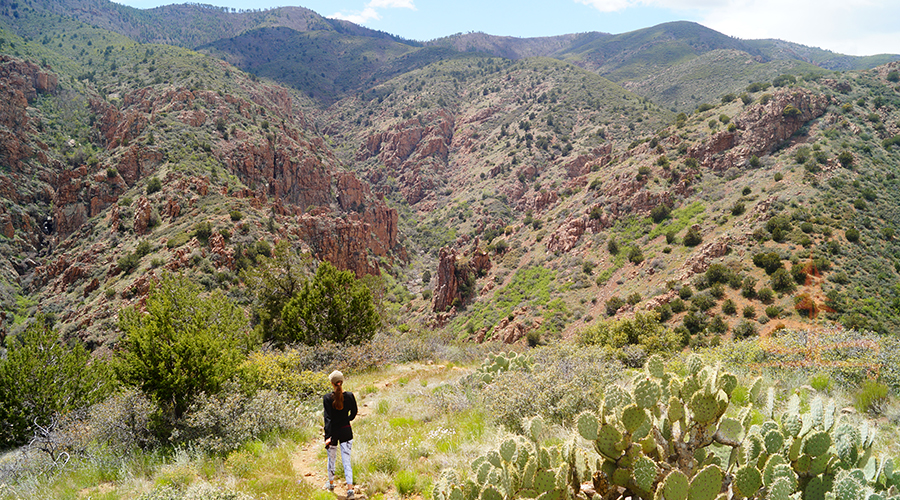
(188, 25)
(501, 187)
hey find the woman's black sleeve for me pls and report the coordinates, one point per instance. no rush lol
(353, 408)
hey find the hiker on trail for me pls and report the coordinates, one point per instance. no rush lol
(340, 409)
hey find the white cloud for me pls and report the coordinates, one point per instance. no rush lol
(392, 4)
(855, 27)
(369, 13)
(366, 15)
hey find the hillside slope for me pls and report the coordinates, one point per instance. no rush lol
(498, 198)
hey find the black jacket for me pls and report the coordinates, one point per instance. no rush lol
(337, 422)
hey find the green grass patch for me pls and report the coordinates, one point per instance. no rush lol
(679, 219)
(529, 287)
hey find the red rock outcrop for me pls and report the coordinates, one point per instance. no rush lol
(142, 215)
(456, 275)
(700, 260)
(760, 128)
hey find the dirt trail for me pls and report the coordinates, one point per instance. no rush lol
(309, 462)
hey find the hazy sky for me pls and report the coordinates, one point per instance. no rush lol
(856, 27)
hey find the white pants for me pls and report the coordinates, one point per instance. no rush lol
(345, 459)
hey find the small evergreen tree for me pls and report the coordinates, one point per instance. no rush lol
(334, 306)
(183, 345)
(41, 377)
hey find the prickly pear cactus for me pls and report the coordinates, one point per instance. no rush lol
(669, 439)
(522, 468)
(495, 364)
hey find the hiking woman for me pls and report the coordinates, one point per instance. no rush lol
(340, 409)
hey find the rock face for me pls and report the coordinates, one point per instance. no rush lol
(415, 151)
(760, 128)
(456, 275)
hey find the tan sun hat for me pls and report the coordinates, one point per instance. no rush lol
(336, 377)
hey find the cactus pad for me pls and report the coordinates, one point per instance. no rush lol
(544, 480)
(755, 387)
(694, 364)
(704, 407)
(616, 397)
(656, 367)
(780, 490)
(508, 450)
(731, 429)
(747, 481)
(646, 393)
(817, 444)
(675, 486)
(769, 470)
(535, 428)
(706, 484)
(792, 424)
(588, 425)
(494, 459)
(773, 440)
(633, 417)
(847, 488)
(675, 411)
(728, 382)
(490, 493)
(815, 489)
(644, 473)
(607, 441)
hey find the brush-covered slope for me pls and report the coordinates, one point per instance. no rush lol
(123, 160)
(323, 64)
(186, 25)
(505, 198)
(561, 200)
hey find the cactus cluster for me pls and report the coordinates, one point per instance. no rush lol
(680, 438)
(501, 362)
(673, 438)
(521, 468)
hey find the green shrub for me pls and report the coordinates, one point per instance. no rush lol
(685, 292)
(770, 261)
(743, 330)
(406, 483)
(177, 240)
(202, 231)
(729, 307)
(41, 378)
(749, 312)
(235, 215)
(153, 185)
(820, 382)
(871, 398)
(281, 371)
(660, 212)
(782, 281)
(226, 420)
(677, 306)
(205, 337)
(852, 235)
(703, 301)
(692, 237)
(773, 312)
(635, 255)
(333, 306)
(613, 304)
(765, 295)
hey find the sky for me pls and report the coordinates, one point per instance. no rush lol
(854, 27)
